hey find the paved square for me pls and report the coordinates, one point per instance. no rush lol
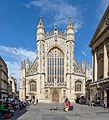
(42, 111)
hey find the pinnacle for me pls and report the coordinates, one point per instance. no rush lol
(70, 22)
(40, 22)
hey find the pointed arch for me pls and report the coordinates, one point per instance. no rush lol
(55, 46)
(32, 85)
(55, 65)
(78, 85)
(55, 96)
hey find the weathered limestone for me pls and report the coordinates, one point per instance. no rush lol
(52, 76)
(99, 45)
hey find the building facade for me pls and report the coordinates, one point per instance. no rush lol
(12, 82)
(99, 88)
(55, 74)
(3, 78)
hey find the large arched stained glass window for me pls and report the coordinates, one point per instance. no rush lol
(55, 65)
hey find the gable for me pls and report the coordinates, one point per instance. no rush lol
(101, 27)
(34, 68)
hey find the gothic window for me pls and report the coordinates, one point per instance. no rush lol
(55, 65)
(32, 86)
(78, 86)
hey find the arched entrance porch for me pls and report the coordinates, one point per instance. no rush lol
(32, 99)
(55, 96)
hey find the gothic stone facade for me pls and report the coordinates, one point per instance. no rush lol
(99, 88)
(55, 74)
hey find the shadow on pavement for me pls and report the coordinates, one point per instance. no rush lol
(18, 114)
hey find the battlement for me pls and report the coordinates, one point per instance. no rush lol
(55, 33)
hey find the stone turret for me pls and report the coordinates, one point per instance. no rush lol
(40, 30)
(82, 65)
(70, 45)
(27, 64)
(87, 71)
(40, 45)
(70, 31)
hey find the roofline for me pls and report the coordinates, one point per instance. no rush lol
(101, 21)
(3, 62)
(12, 77)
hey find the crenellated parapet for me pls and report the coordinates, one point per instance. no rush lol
(53, 34)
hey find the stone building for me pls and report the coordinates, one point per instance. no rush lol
(99, 88)
(13, 85)
(3, 78)
(55, 74)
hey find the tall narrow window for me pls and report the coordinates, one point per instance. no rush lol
(56, 66)
(32, 86)
(78, 86)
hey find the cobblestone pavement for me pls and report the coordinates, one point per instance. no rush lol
(42, 111)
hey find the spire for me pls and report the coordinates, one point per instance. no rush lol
(22, 65)
(70, 23)
(82, 64)
(40, 23)
(87, 65)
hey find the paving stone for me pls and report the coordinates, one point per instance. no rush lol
(81, 112)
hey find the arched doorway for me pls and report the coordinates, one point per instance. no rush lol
(55, 97)
(32, 99)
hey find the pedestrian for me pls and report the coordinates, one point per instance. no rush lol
(67, 105)
(37, 100)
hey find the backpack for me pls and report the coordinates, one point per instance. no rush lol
(7, 115)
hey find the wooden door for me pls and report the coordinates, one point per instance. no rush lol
(55, 97)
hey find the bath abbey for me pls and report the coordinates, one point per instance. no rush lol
(54, 74)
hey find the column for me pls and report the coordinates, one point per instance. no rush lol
(105, 98)
(107, 46)
(95, 66)
(108, 64)
(105, 61)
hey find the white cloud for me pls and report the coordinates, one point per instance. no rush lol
(13, 58)
(60, 11)
(18, 53)
(84, 53)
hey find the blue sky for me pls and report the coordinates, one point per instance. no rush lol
(19, 20)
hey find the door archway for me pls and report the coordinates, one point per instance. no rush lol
(55, 96)
(32, 99)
